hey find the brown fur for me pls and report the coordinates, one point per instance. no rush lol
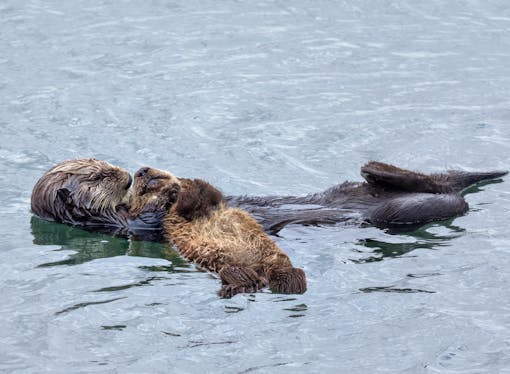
(153, 191)
(225, 240)
(76, 191)
(197, 198)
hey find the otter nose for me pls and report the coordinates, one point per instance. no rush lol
(141, 172)
(128, 184)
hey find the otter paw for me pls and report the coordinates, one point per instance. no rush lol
(240, 280)
(287, 280)
(230, 290)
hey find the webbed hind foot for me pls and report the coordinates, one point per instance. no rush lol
(390, 176)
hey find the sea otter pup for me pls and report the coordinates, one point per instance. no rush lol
(81, 192)
(219, 238)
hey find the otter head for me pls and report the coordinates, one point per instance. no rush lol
(153, 191)
(156, 190)
(196, 199)
(76, 190)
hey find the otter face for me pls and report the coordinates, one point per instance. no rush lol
(75, 190)
(153, 190)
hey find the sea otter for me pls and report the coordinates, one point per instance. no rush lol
(217, 237)
(391, 198)
(87, 193)
(94, 194)
(81, 192)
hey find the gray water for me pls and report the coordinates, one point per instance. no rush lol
(257, 97)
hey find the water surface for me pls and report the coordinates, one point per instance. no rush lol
(264, 97)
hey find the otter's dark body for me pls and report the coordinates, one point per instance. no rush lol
(391, 198)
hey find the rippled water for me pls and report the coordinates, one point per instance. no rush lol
(258, 97)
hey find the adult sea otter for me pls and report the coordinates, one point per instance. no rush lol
(95, 194)
(391, 197)
(81, 192)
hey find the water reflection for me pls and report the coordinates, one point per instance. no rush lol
(422, 238)
(88, 246)
(145, 282)
(83, 305)
(299, 310)
(394, 289)
(478, 186)
(92, 245)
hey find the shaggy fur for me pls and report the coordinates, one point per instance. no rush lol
(224, 240)
(81, 192)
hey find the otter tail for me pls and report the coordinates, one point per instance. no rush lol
(460, 180)
(287, 279)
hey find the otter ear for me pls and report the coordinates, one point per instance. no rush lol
(197, 198)
(64, 195)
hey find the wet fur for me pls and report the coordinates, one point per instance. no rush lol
(87, 193)
(227, 241)
(391, 198)
(94, 194)
(153, 194)
(81, 192)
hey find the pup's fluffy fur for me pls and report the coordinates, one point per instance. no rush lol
(219, 238)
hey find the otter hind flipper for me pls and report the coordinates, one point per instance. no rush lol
(390, 176)
(417, 208)
(238, 279)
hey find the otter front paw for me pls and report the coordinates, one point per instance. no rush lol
(240, 280)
